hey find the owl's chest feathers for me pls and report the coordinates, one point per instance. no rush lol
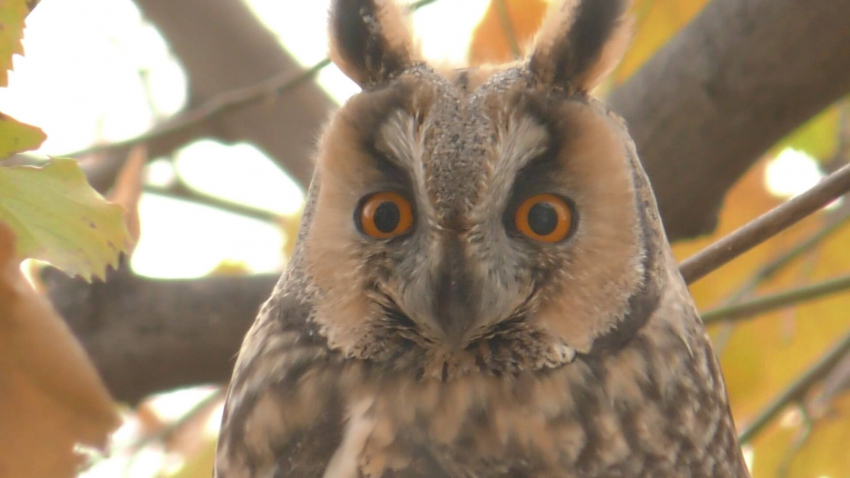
(655, 405)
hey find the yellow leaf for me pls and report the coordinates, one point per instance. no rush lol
(16, 136)
(51, 397)
(490, 40)
(128, 190)
(656, 21)
(12, 15)
(60, 219)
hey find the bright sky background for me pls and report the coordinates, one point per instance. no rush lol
(95, 71)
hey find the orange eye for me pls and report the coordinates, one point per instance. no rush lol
(544, 218)
(384, 215)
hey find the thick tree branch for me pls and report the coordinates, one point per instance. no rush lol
(146, 335)
(739, 77)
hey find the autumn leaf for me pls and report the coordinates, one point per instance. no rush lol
(51, 397)
(491, 41)
(60, 219)
(12, 15)
(16, 136)
(127, 191)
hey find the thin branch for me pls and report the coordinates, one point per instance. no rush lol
(798, 389)
(163, 432)
(766, 226)
(799, 443)
(508, 27)
(770, 302)
(776, 264)
(421, 3)
(224, 103)
(169, 428)
(180, 191)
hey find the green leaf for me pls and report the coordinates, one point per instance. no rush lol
(60, 219)
(16, 136)
(818, 137)
(12, 14)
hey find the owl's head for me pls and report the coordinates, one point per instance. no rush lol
(491, 219)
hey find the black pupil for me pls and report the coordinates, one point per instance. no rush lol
(387, 217)
(542, 218)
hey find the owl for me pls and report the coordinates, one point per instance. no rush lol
(481, 285)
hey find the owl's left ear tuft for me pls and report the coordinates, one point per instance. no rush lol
(581, 42)
(370, 40)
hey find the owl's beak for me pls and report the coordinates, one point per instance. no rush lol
(456, 294)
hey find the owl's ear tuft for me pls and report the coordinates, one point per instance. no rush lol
(580, 42)
(370, 40)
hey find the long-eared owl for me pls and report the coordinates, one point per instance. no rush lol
(481, 285)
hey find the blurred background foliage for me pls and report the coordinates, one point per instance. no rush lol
(762, 355)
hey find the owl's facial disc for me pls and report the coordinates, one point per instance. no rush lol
(446, 216)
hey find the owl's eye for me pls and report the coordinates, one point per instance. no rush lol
(384, 215)
(544, 218)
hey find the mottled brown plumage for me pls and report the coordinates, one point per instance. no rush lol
(465, 346)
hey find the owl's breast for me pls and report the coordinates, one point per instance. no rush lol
(646, 411)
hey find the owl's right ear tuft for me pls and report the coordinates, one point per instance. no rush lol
(370, 40)
(580, 42)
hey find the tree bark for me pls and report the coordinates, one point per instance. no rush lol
(741, 76)
(146, 335)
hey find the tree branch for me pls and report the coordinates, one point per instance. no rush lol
(146, 335)
(181, 191)
(778, 300)
(797, 389)
(196, 120)
(226, 51)
(766, 226)
(741, 76)
(222, 96)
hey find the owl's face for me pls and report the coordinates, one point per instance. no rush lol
(455, 208)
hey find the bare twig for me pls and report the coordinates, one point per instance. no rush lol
(774, 301)
(767, 271)
(776, 264)
(216, 107)
(797, 389)
(180, 191)
(799, 442)
(766, 226)
(169, 428)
